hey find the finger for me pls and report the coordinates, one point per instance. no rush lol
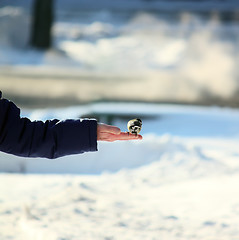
(122, 136)
(128, 136)
(108, 128)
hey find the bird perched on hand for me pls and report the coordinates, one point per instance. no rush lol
(134, 126)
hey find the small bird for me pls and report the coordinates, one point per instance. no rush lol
(134, 126)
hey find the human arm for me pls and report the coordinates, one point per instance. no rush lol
(53, 138)
(50, 139)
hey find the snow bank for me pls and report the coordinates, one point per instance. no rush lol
(185, 189)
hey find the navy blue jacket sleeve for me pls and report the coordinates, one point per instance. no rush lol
(50, 139)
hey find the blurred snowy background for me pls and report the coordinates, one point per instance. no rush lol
(114, 60)
(181, 51)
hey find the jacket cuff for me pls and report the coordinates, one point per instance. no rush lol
(93, 134)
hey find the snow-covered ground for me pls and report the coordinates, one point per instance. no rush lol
(179, 182)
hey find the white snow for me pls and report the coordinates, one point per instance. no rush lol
(179, 182)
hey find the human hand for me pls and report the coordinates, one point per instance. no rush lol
(111, 133)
